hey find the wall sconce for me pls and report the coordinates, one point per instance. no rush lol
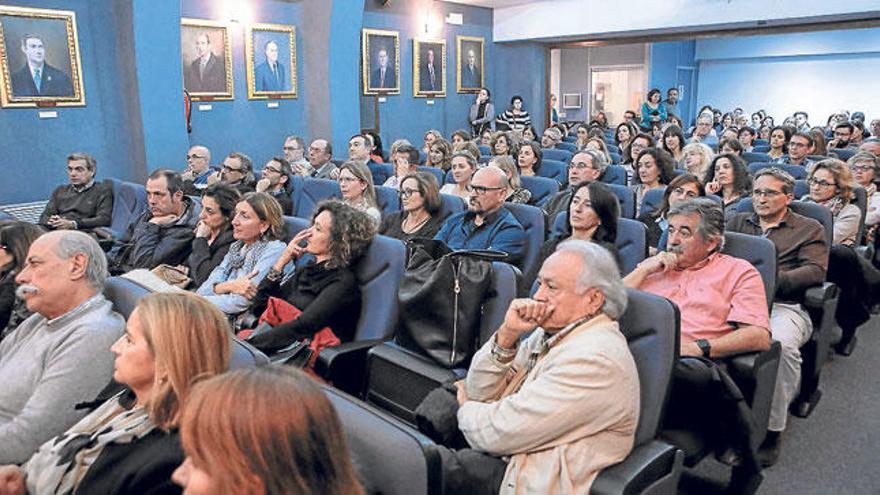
(430, 22)
(237, 11)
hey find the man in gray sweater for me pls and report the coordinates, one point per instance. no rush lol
(60, 356)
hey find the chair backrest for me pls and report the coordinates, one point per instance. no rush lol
(615, 157)
(861, 200)
(817, 158)
(312, 192)
(760, 252)
(129, 201)
(755, 157)
(570, 147)
(436, 172)
(484, 150)
(505, 280)
(378, 274)
(554, 169)
(422, 157)
(631, 242)
(449, 205)
(556, 154)
(761, 148)
(614, 174)
(389, 456)
(797, 171)
(571, 138)
(813, 210)
(381, 172)
(842, 153)
(652, 199)
(760, 142)
(801, 188)
(124, 295)
(542, 189)
(387, 199)
(532, 220)
(627, 198)
(651, 327)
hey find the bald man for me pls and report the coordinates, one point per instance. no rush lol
(486, 224)
(198, 168)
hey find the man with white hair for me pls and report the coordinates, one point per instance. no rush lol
(486, 224)
(60, 356)
(569, 391)
(703, 131)
(551, 137)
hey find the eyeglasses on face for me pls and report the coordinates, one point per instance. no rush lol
(861, 168)
(583, 165)
(820, 183)
(406, 193)
(290, 148)
(680, 191)
(481, 190)
(227, 168)
(193, 156)
(767, 193)
(272, 169)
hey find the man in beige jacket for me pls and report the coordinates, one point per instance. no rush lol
(562, 404)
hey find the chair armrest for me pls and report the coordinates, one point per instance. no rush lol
(643, 471)
(750, 363)
(344, 365)
(818, 295)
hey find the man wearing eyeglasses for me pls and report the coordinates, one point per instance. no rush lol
(703, 131)
(320, 158)
(82, 204)
(276, 181)
(237, 171)
(843, 133)
(585, 166)
(802, 253)
(799, 146)
(294, 152)
(486, 224)
(198, 169)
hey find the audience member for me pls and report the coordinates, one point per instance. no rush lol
(802, 262)
(83, 204)
(570, 390)
(439, 155)
(598, 144)
(460, 137)
(263, 430)
(238, 172)
(375, 144)
(629, 117)
(486, 224)
(420, 205)
(502, 143)
(356, 185)
(359, 151)
(685, 186)
(730, 145)
(294, 152)
(764, 132)
(865, 168)
(670, 104)
(746, 136)
(799, 146)
(59, 356)
(515, 118)
(516, 193)
(653, 110)
(843, 133)
(486, 137)
(818, 136)
(198, 170)
(431, 135)
(585, 166)
(638, 144)
(831, 185)
(591, 215)
(729, 178)
(530, 134)
(15, 240)
(324, 289)
(171, 342)
(482, 113)
(582, 133)
(697, 159)
(256, 227)
(703, 131)
(801, 121)
(464, 165)
(653, 170)
(623, 134)
(528, 160)
(213, 233)
(163, 233)
(277, 181)
(552, 136)
(673, 142)
(320, 155)
(405, 160)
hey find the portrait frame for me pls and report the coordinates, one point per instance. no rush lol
(214, 80)
(61, 72)
(423, 45)
(465, 83)
(372, 41)
(259, 75)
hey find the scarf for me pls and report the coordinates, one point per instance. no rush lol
(835, 204)
(61, 463)
(481, 111)
(243, 258)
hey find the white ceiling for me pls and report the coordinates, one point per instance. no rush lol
(494, 4)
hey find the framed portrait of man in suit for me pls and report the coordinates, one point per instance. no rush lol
(470, 64)
(380, 62)
(206, 59)
(39, 58)
(270, 51)
(429, 68)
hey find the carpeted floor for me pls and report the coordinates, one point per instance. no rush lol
(837, 449)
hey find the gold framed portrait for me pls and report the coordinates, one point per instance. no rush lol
(380, 62)
(206, 59)
(429, 68)
(39, 59)
(469, 64)
(270, 51)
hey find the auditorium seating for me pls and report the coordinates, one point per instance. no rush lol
(484, 150)
(387, 199)
(651, 200)
(627, 198)
(312, 192)
(556, 154)
(797, 171)
(554, 169)
(533, 222)
(542, 189)
(449, 205)
(755, 157)
(764, 148)
(842, 153)
(436, 172)
(631, 242)
(614, 174)
(570, 147)
(129, 201)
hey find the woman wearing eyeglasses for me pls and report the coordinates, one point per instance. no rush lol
(831, 185)
(420, 205)
(15, 240)
(356, 185)
(865, 168)
(685, 186)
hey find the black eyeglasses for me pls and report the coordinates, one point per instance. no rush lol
(406, 193)
(193, 157)
(481, 190)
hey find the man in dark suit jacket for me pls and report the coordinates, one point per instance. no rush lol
(383, 75)
(207, 73)
(470, 73)
(36, 77)
(429, 74)
(271, 74)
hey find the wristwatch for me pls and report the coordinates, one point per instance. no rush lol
(704, 346)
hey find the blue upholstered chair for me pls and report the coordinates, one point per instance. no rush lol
(614, 174)
(312, 192)
(542, 189)
(129, 201)
(556, 154)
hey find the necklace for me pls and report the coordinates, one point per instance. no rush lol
(409, 229)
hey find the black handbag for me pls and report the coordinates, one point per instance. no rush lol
(441, 297)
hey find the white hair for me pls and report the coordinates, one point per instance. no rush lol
(598, 270)
(72, 242)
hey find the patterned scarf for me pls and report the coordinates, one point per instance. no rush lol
(243, 258)
(61, 463)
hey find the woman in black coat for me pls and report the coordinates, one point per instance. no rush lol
(15, 240)
(213, 232)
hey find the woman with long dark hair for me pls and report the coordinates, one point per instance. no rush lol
(482, 113)
(15, 240)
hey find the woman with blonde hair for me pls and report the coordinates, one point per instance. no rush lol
(697, 159)
(438, 156)
(129, 444)
(831, 185)
(267, 430)
(516, 193)
(430, 136)
(598, 144)
(356, 185)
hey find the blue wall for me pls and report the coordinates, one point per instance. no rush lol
(671, 64)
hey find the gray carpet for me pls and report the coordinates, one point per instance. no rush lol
(837, 449)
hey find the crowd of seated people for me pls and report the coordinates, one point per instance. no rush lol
(223, 227)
